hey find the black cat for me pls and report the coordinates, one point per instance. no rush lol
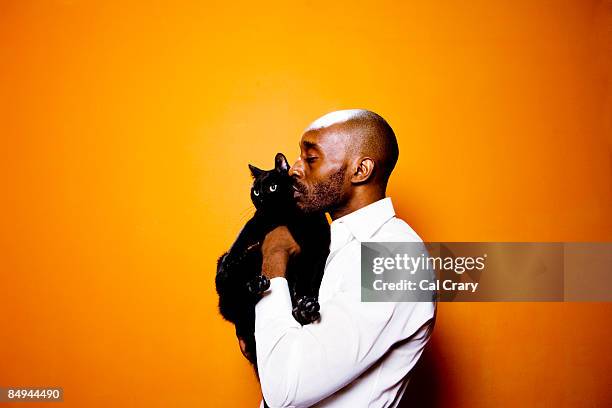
(239, 281)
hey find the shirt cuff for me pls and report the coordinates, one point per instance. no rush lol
(275, 303)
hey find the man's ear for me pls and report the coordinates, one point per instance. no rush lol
(364, 170)
(255, 172)
(280, 163)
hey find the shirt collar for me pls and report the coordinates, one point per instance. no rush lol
(364, 222)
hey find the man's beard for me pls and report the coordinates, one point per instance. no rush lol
(323, 196)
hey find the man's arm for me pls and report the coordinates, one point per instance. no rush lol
(301, 365)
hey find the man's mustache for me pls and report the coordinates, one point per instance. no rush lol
(300, 188)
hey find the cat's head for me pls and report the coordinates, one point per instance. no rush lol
(272, 189)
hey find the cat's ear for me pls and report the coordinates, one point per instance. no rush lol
(280, 163)
(255, 172)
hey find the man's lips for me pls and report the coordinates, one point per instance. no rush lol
(296, 192)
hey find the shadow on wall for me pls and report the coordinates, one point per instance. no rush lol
(425, 388)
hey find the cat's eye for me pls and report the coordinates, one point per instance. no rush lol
(256, 193)
(273, 187)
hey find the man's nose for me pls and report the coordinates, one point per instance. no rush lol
(297, 170)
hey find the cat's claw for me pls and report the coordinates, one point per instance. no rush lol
(306, 310)
(258, 285)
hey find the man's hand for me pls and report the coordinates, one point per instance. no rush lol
(242, 344)
(277, 248)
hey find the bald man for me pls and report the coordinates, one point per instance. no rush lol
(359, 354)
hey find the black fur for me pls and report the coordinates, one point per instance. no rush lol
(239, 281)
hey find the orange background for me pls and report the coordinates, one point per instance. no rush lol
(126, 132)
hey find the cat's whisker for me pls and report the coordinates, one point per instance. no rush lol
(247, 213)
(237, 223)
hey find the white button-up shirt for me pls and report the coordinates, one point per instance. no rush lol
(360, 353)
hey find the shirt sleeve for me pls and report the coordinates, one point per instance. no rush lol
(300, 365)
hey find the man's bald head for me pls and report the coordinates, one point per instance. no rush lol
(367, 134)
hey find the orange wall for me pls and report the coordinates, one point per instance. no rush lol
(126, 130)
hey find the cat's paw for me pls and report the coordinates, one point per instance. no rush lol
(258, 285)
(306, 310)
